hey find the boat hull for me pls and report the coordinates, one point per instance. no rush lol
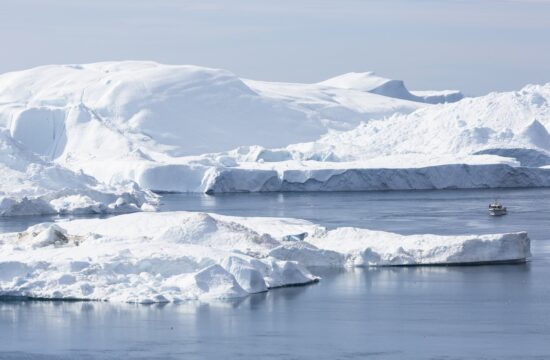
(497, 212)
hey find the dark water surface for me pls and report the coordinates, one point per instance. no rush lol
(481, 312)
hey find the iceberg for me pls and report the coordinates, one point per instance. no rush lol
(497, 140)
(182, 128)
(316, 177)
(149, 122)
(30, 185)
(179, 256)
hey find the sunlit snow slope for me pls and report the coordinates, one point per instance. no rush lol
(135, 120)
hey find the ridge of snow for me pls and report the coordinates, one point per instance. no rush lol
(439, 96)
(373, 83)
(497, 120)
(132, 104)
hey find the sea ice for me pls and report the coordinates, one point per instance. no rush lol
(177, 256)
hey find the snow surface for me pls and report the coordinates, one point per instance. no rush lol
(508, 120)
(439, 97)
(373, 83)
(32, 186)
(177, 256)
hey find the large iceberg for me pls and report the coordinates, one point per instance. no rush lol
(497, 140)
(148, 122)
(196, 129)
(177, 256)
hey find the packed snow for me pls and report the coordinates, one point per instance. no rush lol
(31, 186)
(178, 256)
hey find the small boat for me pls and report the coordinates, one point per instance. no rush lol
(496, 209)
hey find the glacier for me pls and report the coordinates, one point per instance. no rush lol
(179, 256)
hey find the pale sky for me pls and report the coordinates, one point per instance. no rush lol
(473, 45)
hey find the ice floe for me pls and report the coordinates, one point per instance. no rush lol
(178, 256)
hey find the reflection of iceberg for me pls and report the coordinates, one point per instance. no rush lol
(177, 256)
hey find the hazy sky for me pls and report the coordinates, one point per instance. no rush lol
(473, 45)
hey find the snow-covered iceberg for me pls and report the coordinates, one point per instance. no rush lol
(358, 177)
(148, 122)
(196, 129)
(30, 185)
(497, 140)
(177, 256)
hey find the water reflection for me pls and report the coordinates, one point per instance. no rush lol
(406, 212)
(390, 313)
(381, 312)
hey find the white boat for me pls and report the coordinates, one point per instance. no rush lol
(496, 209)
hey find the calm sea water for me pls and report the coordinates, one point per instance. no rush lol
(481, 312)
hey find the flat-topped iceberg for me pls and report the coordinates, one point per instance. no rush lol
(338, 177)
(497, 140)
(177, 256)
